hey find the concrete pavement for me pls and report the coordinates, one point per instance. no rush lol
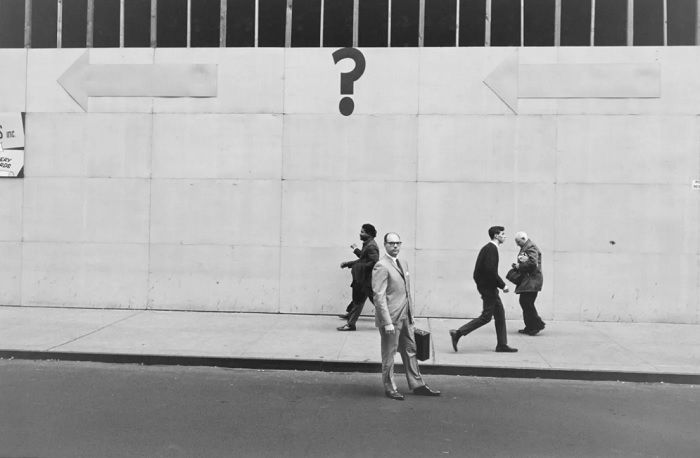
(649, 352)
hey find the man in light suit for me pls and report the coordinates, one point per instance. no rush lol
(394, 318)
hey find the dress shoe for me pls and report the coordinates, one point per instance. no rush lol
(344, 317)
(505, 349)
(395, 395)
(347, 327)
(533, 332)
(425, 391)
(524, 330)
(455, 338)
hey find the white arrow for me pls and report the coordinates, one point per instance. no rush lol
(83, 80)
(511, 81)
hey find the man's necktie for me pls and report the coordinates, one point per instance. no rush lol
(398, 264)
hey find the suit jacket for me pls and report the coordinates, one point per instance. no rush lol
(392, 292)
(486, 268)
(532, 269)
(361, 268)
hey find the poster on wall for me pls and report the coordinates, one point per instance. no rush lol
(11, 145)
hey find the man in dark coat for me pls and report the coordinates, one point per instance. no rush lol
(361, 270)
(488, 282)
(530, 266)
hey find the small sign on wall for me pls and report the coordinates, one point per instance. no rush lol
(11, 145)
(696, 185)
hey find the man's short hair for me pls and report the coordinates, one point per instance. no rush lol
(494, 230)
(369, 229)
(389, 233)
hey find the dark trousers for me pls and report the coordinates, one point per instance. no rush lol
(492, 308)
(530, 317)
(355, 307)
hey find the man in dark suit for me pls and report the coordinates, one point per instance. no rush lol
(361, 270)
(488, 282)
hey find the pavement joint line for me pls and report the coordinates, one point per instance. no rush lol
(139, 312)
(352, 366)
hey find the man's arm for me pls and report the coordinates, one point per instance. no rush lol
(380, 279)
(531, 263)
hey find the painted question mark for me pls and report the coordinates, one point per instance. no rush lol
(347, 79)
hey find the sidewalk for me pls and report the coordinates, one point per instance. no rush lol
(642, 352)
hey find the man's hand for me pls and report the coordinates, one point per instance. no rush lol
(354, 246)
(505, 289)
(389, 328)
(343, 265)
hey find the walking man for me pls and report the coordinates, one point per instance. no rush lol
(361, 270)
(394, 318)
(488, 282)
(530, 265)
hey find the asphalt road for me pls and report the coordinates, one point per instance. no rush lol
(60, 409)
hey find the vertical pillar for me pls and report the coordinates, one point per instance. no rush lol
(59, 24)
(28, 23)
(487, 28)
(288, 25)
(356, 22)
(592, 43)
(630, 22)
(90, 32)
(154, 23)
(421, 23)
(222, 23)
(557, 23)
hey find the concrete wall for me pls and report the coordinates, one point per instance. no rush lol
(248, 201)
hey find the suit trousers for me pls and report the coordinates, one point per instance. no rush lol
(403, 340)
(492, 308)
(358, 303)
(530, 317)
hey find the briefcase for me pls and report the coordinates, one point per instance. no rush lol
(422, 344)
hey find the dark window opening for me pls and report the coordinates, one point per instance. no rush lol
(337, 23)
(44, 27)
(575, 23)
(373, 16)
(611, 23)
(681, 15)
(538, 23)
(404, 23)
(648, 23)
(272, 16)
(106, 24)
(74, 26)
(205, 23)
(505, 23)
(240, 23)
(472, 22)
(11, 23)
(440, 22)
(306, 23)
(137, 23)
(171, 26)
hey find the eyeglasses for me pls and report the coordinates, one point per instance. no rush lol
(394, 243)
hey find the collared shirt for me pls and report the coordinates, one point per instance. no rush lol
(495, 243)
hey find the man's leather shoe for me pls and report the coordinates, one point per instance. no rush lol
(455, 338)
(344, 317)
(532, 332)
(425, 391)
(395, 395)
(505, 349)
(524, 330)
(346, 327)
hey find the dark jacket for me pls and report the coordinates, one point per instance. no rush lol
(486, 268)
(362, 268)
(531, 269)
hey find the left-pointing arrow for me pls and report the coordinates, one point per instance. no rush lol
(83, 80)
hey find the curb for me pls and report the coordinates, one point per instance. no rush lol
(352, 366)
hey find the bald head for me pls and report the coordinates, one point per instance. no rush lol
(520, 238)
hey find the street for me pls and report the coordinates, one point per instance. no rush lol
(61, 409)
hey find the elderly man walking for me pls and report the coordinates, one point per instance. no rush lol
(530, 265)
